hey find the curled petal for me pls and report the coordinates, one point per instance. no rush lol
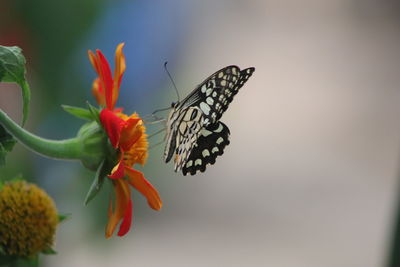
(122, 193)
(113, 126)
(137, 180)
(118, 171)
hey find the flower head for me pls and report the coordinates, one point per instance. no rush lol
(28, 219)
(127, 136)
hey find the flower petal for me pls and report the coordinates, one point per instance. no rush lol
(127, 220)
(106, 78)
(98, 92)
(137, 180)
(119, 70)
(123, 198)
(94, 60)
(131, 133)
(118, 171)
(113, 126)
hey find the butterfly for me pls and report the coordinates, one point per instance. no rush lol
(195, 135)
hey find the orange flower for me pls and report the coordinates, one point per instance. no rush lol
(127, 135)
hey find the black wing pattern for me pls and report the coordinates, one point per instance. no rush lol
(185, 127)
(194, 133)
(214, 95)
(210, 144)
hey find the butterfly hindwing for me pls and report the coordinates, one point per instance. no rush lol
(210, 144)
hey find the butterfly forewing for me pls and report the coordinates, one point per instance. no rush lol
(214, 95)
(194, 134)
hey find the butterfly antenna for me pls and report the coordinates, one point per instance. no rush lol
(172, 80)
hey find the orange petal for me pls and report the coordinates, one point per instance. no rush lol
(119, 70)
(123, 198)
(137, 180)
(98, 92)
(130, 134)
(94, 60)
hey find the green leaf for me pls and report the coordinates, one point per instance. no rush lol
(63, 217)
(49, 251)
(95, 113)
(78, 112)
(97, 182)
(7, 143)
(12, 69)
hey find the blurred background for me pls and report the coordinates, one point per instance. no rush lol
(312, 172)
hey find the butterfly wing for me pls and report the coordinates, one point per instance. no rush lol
(214, 95)
(194, 134)
(184, 129)
(210, 144)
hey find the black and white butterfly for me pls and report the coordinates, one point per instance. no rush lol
(195, 136)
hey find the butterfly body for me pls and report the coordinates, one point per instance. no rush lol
(194, 133)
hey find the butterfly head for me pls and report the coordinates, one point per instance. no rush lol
(174, 104)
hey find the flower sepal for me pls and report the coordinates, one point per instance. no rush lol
(98, 181)
(95, 146)
(78, 112)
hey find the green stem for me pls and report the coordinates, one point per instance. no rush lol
(63, 149)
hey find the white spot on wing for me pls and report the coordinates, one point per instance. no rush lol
(205, 108)
(205, 153)
(182, 127)
(206, 133)
(197, 162)
(220, 140)
(215, 149)
(210, 101)
(220, 127)
(189, 163)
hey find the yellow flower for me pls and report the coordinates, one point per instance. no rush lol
(28, 219)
